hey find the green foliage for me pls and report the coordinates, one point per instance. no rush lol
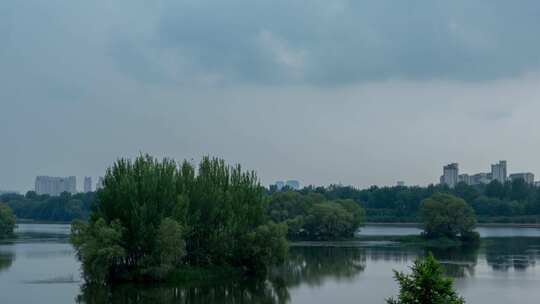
(312, 217)
(99, 246)
(7, 221)
(170, 216)
(425, 285)
(445, 215)
(513, 201)
(64, 208)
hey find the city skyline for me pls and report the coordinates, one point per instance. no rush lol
(481, 177)
(499, 172)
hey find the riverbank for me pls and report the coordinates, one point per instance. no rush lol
(491, 225)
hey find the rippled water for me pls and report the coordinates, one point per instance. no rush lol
(40, 267)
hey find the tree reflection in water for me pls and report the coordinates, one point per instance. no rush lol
(314, 265)
(6, 260)
(245, 291)
(518, 253)
(305, 265)
(458, 261)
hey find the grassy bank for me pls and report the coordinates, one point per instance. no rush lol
(480, 224)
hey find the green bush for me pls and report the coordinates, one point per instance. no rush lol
(425, 285)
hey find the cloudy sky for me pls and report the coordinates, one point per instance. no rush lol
(357, 92)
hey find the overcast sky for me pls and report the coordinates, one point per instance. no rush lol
(357, 92)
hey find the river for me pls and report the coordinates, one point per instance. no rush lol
(40, 267)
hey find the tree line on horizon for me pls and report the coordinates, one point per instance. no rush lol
(511, 202)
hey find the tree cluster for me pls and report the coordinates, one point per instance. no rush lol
(7, 221)
(63, 208)
(313, 217)
(513, 201)
(154, 217)
(447, 216)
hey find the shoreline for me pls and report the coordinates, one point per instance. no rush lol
(495, 225)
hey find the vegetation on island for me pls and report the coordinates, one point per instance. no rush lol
(425, 285)
(7, 221)
(447, 216)
(63, 208)
(153, 219)
(313, 217)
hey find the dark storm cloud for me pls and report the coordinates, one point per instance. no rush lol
(333, 42)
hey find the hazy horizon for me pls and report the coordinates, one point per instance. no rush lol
(353, 92)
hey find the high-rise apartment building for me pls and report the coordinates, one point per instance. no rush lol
(280, 185)
(498, 172)
(293, 184)
(527, 177)
(480, 178)
(464, 178)
(54, 186)
(450, 175)
(87, 184)
(99, 184)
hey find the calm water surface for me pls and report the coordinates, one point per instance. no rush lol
(40, 267)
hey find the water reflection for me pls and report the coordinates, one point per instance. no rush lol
(314, 265)
(306, 265)
(246, 291)
(457, 262)
(512, 253)
(6, 260)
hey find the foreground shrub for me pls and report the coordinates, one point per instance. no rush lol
(425, 285)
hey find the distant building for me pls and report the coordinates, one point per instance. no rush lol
(87, 184)
(8, 192)
(54, 186)
(450, 175)
(480, 178)
(537, 184)
(401, 184)
(527, 177)
(464, 178)
(498, 172)
(293, 184)
(279, 185)
(99, 184)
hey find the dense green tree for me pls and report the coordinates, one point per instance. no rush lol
(311, 216)
(445, 215)
(152, 217)
(64, 208)
(7, 221)
(425, 285)
(495, 189)
(519, 190)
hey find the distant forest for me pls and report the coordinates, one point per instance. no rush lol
(63, 208)
(511, 202)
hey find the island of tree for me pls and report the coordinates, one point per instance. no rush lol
(156, 220)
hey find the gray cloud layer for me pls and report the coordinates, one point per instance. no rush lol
(361, 92)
